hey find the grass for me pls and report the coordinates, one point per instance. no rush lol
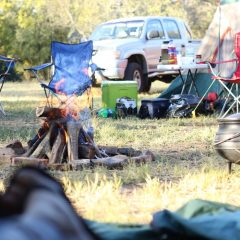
(186, 165)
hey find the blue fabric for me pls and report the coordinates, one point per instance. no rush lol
(40, 67)
(71, 62)
(3, 58)
(9, 63)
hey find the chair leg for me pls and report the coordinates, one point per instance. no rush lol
(229, 167)
(2, 110)
(235, 100)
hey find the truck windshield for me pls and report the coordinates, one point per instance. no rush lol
(117, 30)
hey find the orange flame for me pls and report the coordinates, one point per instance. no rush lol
(70, 105)
(58, 85)
(85, 71)
(65, 135)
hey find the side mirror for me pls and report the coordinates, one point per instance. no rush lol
(153, 34)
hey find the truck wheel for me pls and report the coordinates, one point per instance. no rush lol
(148, 84)
(134, 72)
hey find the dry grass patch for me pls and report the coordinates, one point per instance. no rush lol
(110, 201)
(186, 165)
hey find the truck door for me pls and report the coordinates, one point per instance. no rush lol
(173, 32)
(153, 46)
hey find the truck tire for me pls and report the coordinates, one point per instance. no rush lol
(148, 84)
(134, 72)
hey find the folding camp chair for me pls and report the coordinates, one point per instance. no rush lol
(6, 64)
(230, 85)
(70, 71)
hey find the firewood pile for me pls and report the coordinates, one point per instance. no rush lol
(62, 143)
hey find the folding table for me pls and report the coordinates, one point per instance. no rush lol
(192, 70)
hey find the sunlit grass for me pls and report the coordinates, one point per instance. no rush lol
(186, 165)
(111, 201)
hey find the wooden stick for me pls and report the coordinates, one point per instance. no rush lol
(58, 148)
(142, 159)
(73, 129)
(29, 160)
(111, 162)
(128, 151)
(43, 149)
(34, 146)
(79, 164)
(86, 151)
(49, 112)
(89, 139)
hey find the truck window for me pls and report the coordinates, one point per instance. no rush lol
(128, 29)
(172, 29)
(189, 35)
(156, 25)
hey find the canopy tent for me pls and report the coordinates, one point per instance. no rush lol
(217, 45)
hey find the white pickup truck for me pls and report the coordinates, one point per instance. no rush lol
(130, 48)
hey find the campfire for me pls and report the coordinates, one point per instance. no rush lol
(63, 142)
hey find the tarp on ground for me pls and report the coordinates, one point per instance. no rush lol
(198, 219)
(217, 45)
(202, 83)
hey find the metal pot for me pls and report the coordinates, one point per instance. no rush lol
(227, 139)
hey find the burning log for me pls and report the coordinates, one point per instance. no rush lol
(43, 149)
(86, 151)
(73, 129)
(62, 143)
(111, 151)
(58, 148)
(111, 162)
(34, 145)
(59, 139)
(29, 161)
(50, 112)
(79, 164)
(90, 140)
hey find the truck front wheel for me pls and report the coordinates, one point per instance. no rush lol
(134, 72)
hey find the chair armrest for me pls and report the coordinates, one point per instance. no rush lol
(35, 70)
(93, 67)
(39, 67)
(7, 59)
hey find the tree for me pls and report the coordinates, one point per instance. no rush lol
(29, 26)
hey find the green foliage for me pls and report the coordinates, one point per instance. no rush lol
(29, 26)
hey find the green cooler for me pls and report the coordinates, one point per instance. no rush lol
(111, 90)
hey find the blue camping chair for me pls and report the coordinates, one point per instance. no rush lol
(70, 70)
(6, 64)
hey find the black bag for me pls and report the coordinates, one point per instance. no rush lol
(143, 112)
(182, 105)
(153, 108)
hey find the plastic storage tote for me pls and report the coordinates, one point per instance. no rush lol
(112, 90)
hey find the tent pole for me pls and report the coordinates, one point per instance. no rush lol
(219, 32)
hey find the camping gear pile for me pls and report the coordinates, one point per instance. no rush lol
(119, 99)
(220, 48)
(154, 108)
(179, 106)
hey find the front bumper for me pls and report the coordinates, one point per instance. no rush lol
(113, 68)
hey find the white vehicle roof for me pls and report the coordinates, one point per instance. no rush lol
(143, 18)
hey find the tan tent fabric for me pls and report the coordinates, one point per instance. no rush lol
(228, 20)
